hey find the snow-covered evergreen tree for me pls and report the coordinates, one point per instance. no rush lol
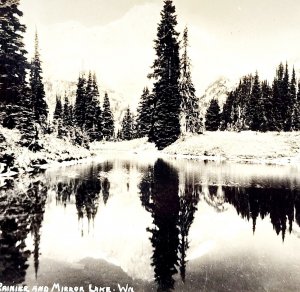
(58, 117)
(255, 110)
(80, 102)
(267, 101)
(127, 126)
(190, 116)
(296, 112)
(97, 126)
(212, 117)
(37, 87)
(165, 127)
(108, 127)
(12, 53)
(16, 108)
(144, 114)
(66, 115)
(89, 107)
(58, 111)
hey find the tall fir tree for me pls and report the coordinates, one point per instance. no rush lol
(296, 112)
(267, 100)
(12, 53)
(80, 102)
(37, 87)
(89, 107)
(278, 102)
(16, 108)
(293, 99)
(226, 117)
(144, 113)
(286, 101)
(213, 117)
(58, 111)
(255, 110)
(108, 119)
(127, 126)
(190, 116)
(66, 115)
(97, 127)
(165, 127)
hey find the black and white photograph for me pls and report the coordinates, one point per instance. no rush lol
(149, 145)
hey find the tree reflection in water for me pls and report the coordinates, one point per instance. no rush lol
(172, 217)
(21, 213)
(282, 205)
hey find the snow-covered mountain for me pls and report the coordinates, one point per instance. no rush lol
(217, 90)
(62, 87)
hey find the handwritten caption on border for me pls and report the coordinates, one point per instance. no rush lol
(56, 287)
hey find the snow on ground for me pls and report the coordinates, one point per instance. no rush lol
(271, 147)
(247, 146)
(54, 150)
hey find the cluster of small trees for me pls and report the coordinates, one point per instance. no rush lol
(257, 106)
(85, 121)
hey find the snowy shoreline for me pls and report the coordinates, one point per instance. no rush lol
(244, 147)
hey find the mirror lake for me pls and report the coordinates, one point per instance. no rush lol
(154, 225)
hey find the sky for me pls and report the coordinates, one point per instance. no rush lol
(228, 38)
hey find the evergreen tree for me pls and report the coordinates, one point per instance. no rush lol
(90, 107)
(190, 120)
(127, 130)
(12, 53)
(144, 114)
(16, 106)
(287, 105)
(226, 120)
(267, 100)
(98, 135)
(296, 112)
(212, 117)
(242, 103)
(108, 120)
(66, 113)
(255, 110)
(37, 87)
(165, 127)
(293, 100)
(80, 102)
(278, 93)
(58, 112)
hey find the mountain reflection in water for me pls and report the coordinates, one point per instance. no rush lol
(173, 196)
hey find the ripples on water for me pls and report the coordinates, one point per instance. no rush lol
(177, 224)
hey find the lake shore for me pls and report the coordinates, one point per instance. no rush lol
(244, 147)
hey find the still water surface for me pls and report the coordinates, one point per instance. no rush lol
(156, 226)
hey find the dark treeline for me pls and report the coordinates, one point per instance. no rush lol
(166, 111)
(258, 106)
(22, 96)
(282, 205)
(85, 121)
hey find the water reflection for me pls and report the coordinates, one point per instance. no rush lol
(175, 197)
(173, 213)
(280, 204)
(21, 213)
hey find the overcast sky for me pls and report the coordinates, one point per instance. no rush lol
(115, 38)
